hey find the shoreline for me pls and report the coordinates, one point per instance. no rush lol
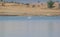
(23, 10)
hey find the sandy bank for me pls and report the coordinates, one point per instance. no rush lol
(23, 10)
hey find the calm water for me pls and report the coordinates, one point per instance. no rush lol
(30, 1)
(29, 26)
(29, 18)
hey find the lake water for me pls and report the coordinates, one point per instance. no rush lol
(29, 26)
(23, 18)
(30, 1)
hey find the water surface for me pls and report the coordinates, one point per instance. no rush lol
(29, 26)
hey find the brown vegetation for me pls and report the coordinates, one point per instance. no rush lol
(28, 9)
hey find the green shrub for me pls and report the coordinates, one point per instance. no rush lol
(50, 4)
(1, 0)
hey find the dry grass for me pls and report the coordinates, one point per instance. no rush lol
(23, 10)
